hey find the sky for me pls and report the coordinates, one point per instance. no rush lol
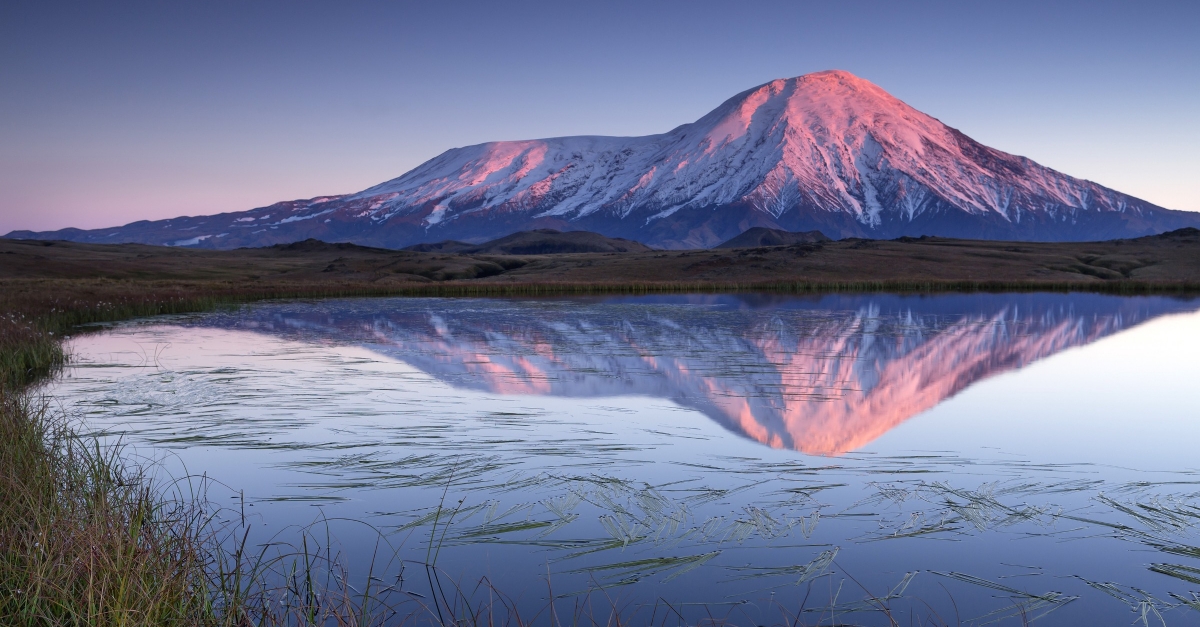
(115, 112)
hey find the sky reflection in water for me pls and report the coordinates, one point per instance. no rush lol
(574, 433)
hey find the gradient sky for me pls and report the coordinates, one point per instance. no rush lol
(114, 112)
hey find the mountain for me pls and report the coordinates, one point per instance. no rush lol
(538, 242)
(762, 236)
(827, 151)
(824, 376)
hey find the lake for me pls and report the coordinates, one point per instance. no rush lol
(982, 458)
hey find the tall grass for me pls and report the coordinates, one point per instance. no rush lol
(89, 538)
(85, 539)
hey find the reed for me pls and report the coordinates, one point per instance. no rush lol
(85, 539)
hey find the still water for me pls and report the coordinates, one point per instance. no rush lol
(985, 458)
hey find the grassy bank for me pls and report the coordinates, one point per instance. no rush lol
(86, 536)
(89, 538)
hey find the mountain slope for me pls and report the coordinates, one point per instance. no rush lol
(537, 242)
(827, 151)
(762, 236)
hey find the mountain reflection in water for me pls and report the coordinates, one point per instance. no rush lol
(822, 375)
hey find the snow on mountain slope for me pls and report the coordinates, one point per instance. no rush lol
(826, 151)
(822, 137)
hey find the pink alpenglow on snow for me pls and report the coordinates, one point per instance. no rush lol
(827, 151)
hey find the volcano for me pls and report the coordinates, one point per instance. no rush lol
(827, 151)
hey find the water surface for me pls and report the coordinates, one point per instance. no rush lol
(983, 456)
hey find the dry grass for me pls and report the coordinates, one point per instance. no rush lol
(86, 539)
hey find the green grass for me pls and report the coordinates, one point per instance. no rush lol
(84, 538)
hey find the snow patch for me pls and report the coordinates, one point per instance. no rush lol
(435, 216)
(307, 217)
(189, 242)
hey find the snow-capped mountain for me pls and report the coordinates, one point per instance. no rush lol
(827, 151)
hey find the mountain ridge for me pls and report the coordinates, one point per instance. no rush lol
(827, 151)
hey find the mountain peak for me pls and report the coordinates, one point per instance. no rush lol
(839, 78)
(830, 103)
(826, 151)
(828, 84)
